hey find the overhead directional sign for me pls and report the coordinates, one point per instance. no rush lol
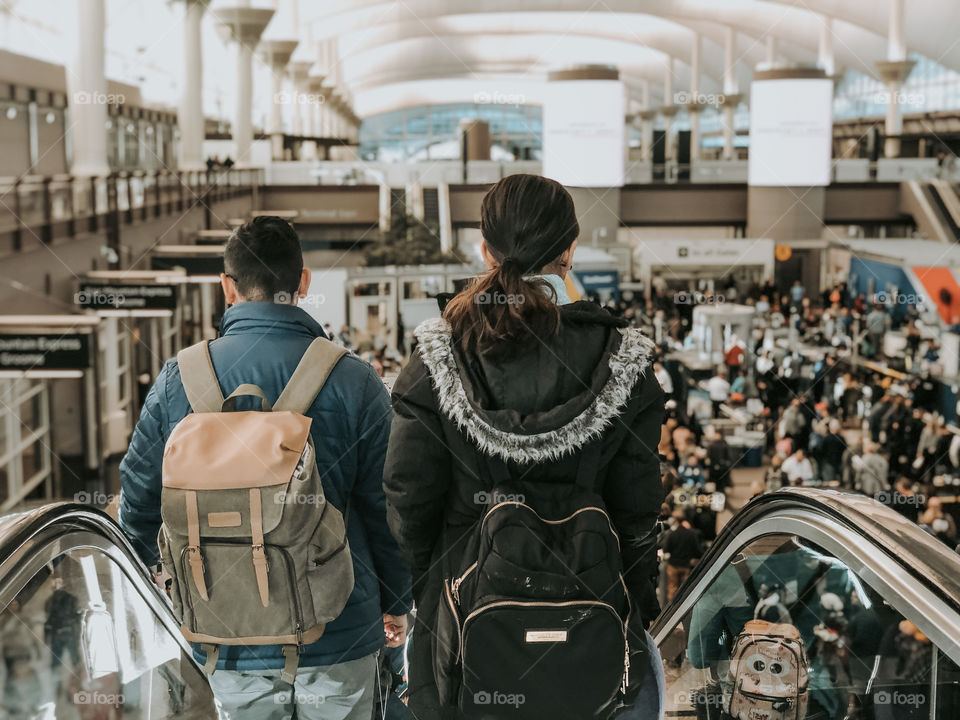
(46, 351)
(115, 296)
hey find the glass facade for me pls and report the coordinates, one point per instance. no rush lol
(431, 132)
(931, 87)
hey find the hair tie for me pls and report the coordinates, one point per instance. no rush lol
(510, 264)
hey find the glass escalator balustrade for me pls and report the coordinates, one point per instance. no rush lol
(855, 655)
(79, 640)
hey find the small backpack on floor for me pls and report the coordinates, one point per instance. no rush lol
(769, 673)
(257, 554)
(533, 624)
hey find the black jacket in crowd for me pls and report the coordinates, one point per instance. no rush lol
(536, 411)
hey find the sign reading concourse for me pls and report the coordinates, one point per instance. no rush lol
(48, 351)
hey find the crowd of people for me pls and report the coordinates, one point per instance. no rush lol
(810, 378)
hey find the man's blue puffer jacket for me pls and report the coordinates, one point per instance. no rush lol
(262, 343)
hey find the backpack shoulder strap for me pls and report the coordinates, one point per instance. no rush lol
(310, 376)
(199, 379)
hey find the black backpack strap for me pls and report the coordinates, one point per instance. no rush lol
(588, 466)
(497, 470)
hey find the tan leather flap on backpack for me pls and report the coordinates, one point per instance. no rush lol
(234, 450)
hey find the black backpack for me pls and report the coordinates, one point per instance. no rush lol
(533, 619)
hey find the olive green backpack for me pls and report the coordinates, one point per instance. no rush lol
(256, 553)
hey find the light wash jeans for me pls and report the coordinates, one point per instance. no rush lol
(649, 703)
(344, 691)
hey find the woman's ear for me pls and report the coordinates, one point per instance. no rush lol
(566, 259)
(488, 258)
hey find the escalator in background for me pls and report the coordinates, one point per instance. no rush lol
(398, 205)
(84, 632)
(874, 600)
(945, 197)
(935, 209)
(431, 206)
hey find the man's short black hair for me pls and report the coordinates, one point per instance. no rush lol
(265, 259)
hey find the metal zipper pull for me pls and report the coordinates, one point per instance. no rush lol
(626, 670)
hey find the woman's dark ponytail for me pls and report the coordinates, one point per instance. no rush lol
(527, 222)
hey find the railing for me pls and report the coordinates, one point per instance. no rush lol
(46, 208)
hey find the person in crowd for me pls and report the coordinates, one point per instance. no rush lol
(794, 423)
(797, 293)
(263, 337)
(691, 473)
(936, 521)
(871, 471)
(719, 390)
(774, 477)
(666, 382)
(905, 499)
(733, 358)
(798, 468)
(719, 461)
(831, 453)
(878, 323)
(818, 433)
(739, 385)
(681, 550)
(534, 391)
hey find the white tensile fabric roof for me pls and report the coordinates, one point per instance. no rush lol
(398, 53)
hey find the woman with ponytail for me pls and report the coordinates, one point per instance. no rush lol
(517, 386)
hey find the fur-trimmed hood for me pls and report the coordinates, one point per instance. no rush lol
(600, 390)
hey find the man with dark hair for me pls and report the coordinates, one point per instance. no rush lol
(263, 336)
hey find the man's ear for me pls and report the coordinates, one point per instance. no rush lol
(230, 293)
(304, 287)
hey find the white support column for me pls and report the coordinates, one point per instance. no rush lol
(245, 24)
(894, 72)
(646, 126)
(276, 53)
(190, 114)
(668, 111)
(826, 60)
(731, 96)
(771, 51)
(896, 44)
(243, 110)
(87, 88)
(695, 106)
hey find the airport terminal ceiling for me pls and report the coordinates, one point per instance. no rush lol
(390, 55)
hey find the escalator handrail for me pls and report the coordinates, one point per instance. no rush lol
(18, 529)
(937, 568)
